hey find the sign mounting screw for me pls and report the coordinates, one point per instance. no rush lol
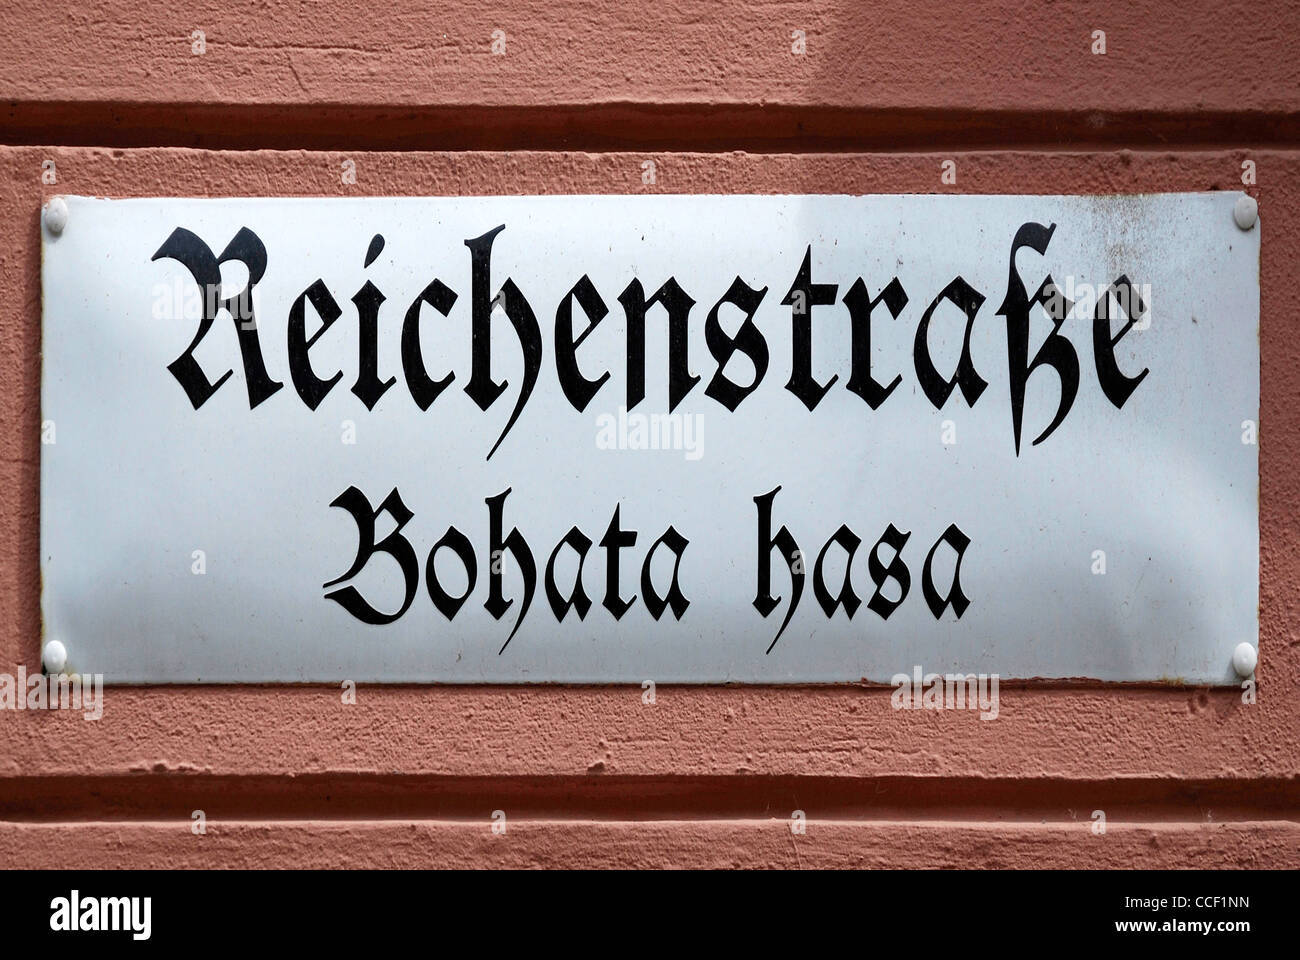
(1245, 212)
(56, 215)
(1244, 659)
(54, 656)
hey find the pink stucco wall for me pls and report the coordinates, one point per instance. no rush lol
(409, 776)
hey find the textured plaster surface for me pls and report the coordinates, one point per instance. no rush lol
(408, 776)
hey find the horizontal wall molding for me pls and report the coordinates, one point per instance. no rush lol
(349, 795)
(755, 128)
(571, 844)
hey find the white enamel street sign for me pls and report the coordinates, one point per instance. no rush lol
(780, 438)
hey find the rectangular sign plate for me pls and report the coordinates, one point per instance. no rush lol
(781, 438)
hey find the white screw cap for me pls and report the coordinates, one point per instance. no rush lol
(1245, 212)
(1244, 659)
(54, 656)
(56, 215)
